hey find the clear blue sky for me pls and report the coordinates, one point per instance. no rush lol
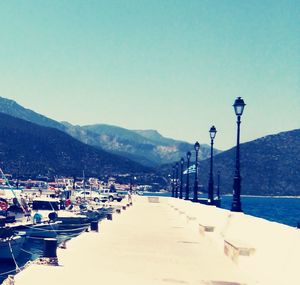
(174, 66)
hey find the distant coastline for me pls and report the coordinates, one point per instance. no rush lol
(229, 195)
(266, 196)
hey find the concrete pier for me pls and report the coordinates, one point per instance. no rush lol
(150, 243)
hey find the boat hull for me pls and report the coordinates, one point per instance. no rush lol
(10, 248)
(42, 230)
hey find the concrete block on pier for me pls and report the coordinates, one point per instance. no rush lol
(153, 199)
(235, 248)
(205, 228)
(190, 218)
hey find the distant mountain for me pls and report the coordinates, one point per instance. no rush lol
(156, 137)
(147, 147)
(269, 166)
(12, 108)
(35, 150)
(121, 141)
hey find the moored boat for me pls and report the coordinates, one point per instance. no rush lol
(10, 243)
(53, 208)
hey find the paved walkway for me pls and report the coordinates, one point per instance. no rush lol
(147, 244)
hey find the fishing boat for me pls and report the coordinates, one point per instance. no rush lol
(18, 216)
(53, 208)
(94, 210)
(103, 210)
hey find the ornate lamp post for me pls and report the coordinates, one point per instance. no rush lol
(197, 148)
(181, 176)
(176, 180)
(173, 181)
(212, 133)
(238, 105)
(187, 191)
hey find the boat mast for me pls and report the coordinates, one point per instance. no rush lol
(7, 182)
(83, 184)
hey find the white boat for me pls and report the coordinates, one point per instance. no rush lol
(19, 218)
(52, 208)
(10, 244)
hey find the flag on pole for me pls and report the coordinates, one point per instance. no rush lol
(191, 169)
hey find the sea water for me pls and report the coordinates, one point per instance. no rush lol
(282, 210)
(32, 249)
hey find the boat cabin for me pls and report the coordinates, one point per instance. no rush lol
(46, 204)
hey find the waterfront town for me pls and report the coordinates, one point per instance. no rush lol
(68, 184)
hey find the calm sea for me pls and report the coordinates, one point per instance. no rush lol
(281, 210)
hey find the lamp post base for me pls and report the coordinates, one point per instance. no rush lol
(195, 198)
(210, 200)
(236, 207)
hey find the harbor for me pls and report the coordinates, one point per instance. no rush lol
(162, 240)
(149, 142)
(29, 216)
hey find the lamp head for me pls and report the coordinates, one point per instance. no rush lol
(239, 106)
(196, 146)
(181, 161)
(212, 132)
(188, 155)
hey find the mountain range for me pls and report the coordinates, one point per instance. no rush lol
(33, 145)
(30, 150)
(146, 147)
(269, 166)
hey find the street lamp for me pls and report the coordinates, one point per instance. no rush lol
(196, 147)
(181, 176)
(238, 105)
(187, 191)
(18, 175)
(170, 183)
(176, 180)
(130, 186)
(173, 181)
(212, 133)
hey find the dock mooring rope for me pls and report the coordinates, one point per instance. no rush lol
(14, 259)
